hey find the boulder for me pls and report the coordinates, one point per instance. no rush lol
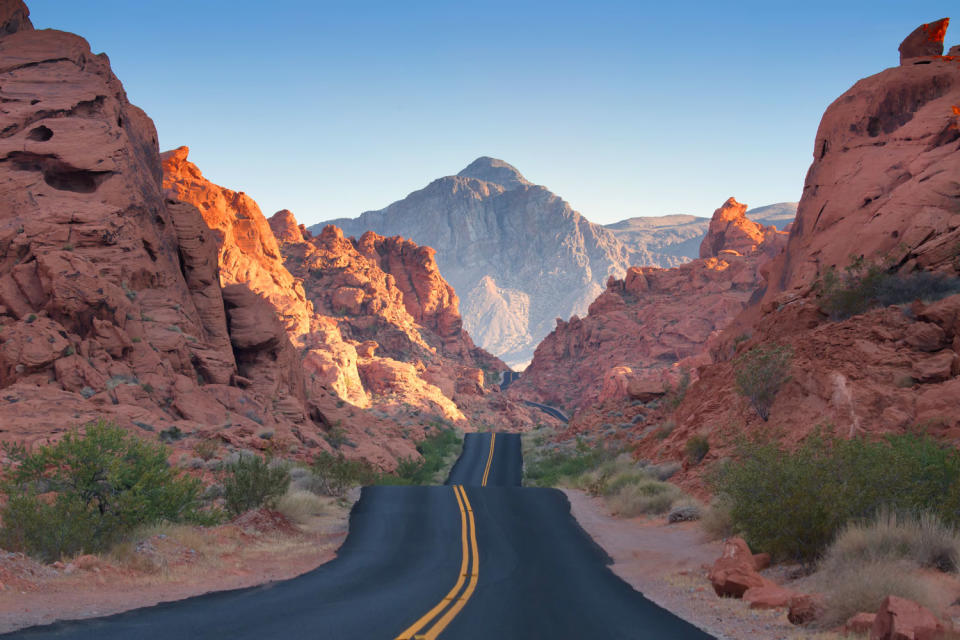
(735, 572)
(804, 608)
(902, 619)
(860, 624)
(769, 596)
(925, 40)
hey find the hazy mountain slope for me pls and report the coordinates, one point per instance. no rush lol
(518, 254)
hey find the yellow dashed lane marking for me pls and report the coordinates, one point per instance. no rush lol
(486, 472)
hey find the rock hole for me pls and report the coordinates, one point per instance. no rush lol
(40, 134)
(895, 233)
(34, 101)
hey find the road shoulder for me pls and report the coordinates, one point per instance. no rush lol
(668, 563)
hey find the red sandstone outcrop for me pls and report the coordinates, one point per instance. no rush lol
(639, 329)
(925, 40)
(731, 230)
(882, 186)
(120, 299)
(883, 180)
(110, 305)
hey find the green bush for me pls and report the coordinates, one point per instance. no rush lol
(106, 482)
(252, 482)
(697, 448)
(792, 504)
(549, 467)
(438, 452)
(336, 474)
(759, 374)
(863, 286)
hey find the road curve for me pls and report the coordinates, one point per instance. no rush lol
(460, 562)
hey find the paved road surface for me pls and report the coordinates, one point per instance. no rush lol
(466, 561)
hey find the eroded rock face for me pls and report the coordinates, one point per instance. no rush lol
(731, 230)
(925, 40)
(110, 304)
(630, 343)
(487, 225)
(249, 252)
(883, 180)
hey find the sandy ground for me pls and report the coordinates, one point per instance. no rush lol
(170, 563)
(668, 563)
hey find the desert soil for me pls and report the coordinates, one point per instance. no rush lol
(668, 563)
(170, 563)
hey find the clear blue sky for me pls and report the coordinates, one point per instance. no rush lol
(622, 108)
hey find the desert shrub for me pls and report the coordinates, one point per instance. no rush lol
(793, 503)
(335, 474)
(717, 520)
(251, 482)
(862, 286)
(921, 539)
(647, 497)
(300, 506)
(759, 374)
(696, 448)
(675, 395)
(205, 449)
(106, 483)
(865, 589)
(663, 471)
(438, 452)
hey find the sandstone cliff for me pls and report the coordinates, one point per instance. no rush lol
(162, 301)
(110, 304)
(642, 326)
(883, 187)
(517, 253)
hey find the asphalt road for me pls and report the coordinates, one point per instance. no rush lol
(463, 561)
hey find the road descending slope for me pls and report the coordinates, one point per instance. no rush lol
(479, 558)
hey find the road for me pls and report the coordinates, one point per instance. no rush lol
(556, 413)
(478, 558)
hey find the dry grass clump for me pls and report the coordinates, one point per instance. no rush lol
(717, 521)
(865, 587)
(645, 497)
(630, 489)
(869, 561)
(922, 540)
(301, 506)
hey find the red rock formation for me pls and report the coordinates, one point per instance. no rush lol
(883, 180)
(902, 619)
(249, 252)
(629, 344)
(731, 230)
(110, 304)
(925, 40)
(882, 186)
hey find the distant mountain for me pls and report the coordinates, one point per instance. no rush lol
(668, 241)
(518, 255)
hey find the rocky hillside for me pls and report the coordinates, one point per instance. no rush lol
(637, 331)
(518, 254)
(668, 241)
(142, 293)
(882, 191)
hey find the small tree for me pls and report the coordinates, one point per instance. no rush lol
(105, 483)
(760, 372)
(251, 482)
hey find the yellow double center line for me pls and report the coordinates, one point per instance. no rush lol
(486, 472)
(471, 558)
